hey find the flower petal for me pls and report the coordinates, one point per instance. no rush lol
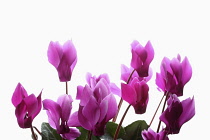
(65, 102)
(18, 95)
(128, 94)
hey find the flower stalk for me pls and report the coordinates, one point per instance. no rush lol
(121, 100)
(120, 124)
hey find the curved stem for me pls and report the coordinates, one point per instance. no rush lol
(156, 111)
(67, 88)
(34, 137)
(120, 124)
(90, 135)
(37, 131)
(121, 100)
(167, 93)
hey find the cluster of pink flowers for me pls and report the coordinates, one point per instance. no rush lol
(97, 99)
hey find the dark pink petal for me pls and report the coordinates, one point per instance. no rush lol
(53, 112)
(24, 121)
(65, 102)
(91, 111)
(188, 111)
(187, 71)
(128, 94)
(73, 134)
(54, 53)
(39, 105)
(18, 95)
(177, 68)
(31, 104)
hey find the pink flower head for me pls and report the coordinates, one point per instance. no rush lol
(59, 115)
(97, 106)
(141, 57)
(177, 113)
(27, 107)
(151, 135)
(173, 75)
(126, 72)
(136, 94)
(93, 80)
(63, 58)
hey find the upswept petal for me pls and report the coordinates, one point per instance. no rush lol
(64, 70)
(83, 120)
(23, 120)
(73, 120)
(54, 53)
(115, 89)
(101, 90)
(84, 98)
(39, 107)
(112, 107)
(91, 111)
(18, 95)
(79, 92)
(128, 94)
(31, 104)
(65, 102)
(53, 112)
(150, 52)
(103, 109)
(187, 71)
(188, 110)
(70, 52)
(176, 68)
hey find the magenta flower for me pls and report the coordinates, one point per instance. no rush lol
(27, 107)
(97, 106)
(59, 115)
(136, 94)
(93, 80)
(151, 135)
(141, 57)
(173, 75)
(177, 113)
(126, 72)
(63, 58)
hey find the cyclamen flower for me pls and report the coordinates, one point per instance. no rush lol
(126, 72)
(59, 115)
(151, 135)
(141, 57)
(93, 80)
(63, 58)
(173, 75)
(177, 113)
(97, 106)
(27, 106)
(136, 94)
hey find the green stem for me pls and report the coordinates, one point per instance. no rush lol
(167, 93)
(156, 111)
(120, 124)
(37, 131)
(121, 100)
(34, 136)
(90, 135)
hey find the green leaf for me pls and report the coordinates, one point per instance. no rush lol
(111, 128)
(133, 131)
(48, 133)
(84, 135)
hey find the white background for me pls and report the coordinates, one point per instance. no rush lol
(102, 32)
